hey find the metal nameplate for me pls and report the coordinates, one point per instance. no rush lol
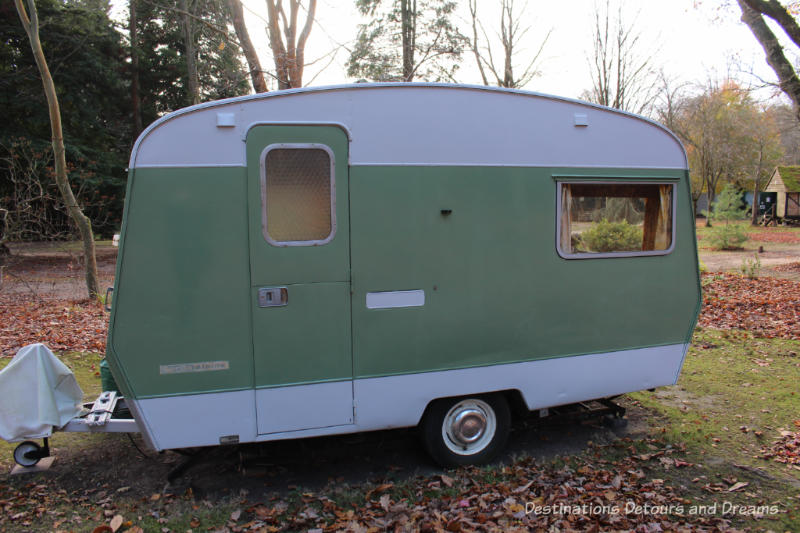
(185, 368)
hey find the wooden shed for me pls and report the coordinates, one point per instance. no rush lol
(785, 181)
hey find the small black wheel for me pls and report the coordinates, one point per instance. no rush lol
(27, 453)
(466, 431)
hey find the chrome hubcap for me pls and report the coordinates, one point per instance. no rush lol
(469, 427)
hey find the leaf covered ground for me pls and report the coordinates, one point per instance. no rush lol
(767, 307)
(63, 325)
(616, 487)
(694, 468)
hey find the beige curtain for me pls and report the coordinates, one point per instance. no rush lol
(566, 202)
(664, 224)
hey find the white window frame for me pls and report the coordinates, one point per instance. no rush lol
(263, 170)
(607, 255)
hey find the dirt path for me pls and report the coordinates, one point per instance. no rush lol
(54, 270)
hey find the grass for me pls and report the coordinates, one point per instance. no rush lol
(758, 235)
(736, 392)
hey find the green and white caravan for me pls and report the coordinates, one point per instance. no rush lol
(344, 259)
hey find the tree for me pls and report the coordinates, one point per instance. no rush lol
(622, 75)
(729, 236)
(510, 34)
(406, 40)
(30, 22)
(752, 15)
(165, 55)
(249, 51)
(289, 54)
(81, 44)
(727, 136)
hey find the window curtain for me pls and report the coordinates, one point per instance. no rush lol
(664, 225)
(566, 204)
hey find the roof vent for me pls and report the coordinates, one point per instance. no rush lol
(226, 120)
(581, 119)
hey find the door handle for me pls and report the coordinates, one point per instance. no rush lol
(273, 296)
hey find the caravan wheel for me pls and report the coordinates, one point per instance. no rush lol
(462, 431)
(27, 453)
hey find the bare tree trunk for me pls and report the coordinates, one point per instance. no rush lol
(31, 25)
(256, 73)
(473, 10)
(136, 102)
(187, 25)
(408, 14)
(510, 33)
(787, 77)
(3, 235)
(289, 56)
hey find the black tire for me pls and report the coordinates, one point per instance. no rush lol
(27, 453)
(443, 414)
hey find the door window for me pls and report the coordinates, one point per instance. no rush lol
(298, 194)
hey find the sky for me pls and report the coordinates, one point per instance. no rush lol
(692, 40)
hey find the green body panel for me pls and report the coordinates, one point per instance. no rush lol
(308, 339)
(193, 256)
(181, 293)
(496, 291)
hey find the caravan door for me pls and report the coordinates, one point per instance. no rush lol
(300, 276)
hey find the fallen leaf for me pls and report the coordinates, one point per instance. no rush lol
(116, 522)
(738, 486)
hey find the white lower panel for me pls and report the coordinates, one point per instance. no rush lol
(397, 401)
(304, 406)
(198, 419)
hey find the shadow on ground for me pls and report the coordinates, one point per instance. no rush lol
(278, 468)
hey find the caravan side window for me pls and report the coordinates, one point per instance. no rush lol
(615, 219)
(298, 194)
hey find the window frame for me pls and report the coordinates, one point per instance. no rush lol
(560, 182)
(263, 179)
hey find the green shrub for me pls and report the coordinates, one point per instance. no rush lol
(751, 268)
(727, 209)
(605, 236)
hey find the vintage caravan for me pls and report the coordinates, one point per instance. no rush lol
(344, 259)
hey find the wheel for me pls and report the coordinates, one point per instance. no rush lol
(27, 453)
(466, 431)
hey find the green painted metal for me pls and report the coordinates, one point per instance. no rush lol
(309, 339)
(272, 265)
(193, 256)
(496, 290)
(182, 292)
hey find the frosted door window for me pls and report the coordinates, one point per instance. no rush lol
(298, 189)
